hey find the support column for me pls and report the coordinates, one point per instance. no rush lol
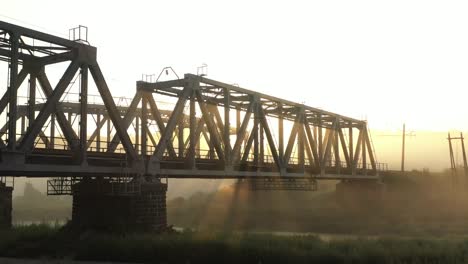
(84, 113)
(98, 135)
(5, 206)
(144, 124)
(12, 98)
(101, 205)
(52, 131)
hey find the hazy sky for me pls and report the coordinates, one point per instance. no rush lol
(387, 61)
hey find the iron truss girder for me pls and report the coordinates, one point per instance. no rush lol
(211, 129)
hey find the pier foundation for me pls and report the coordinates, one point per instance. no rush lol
(102, 205)
(5, 206)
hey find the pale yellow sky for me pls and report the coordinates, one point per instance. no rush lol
(387, 61)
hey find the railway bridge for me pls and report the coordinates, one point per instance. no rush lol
(113, 154)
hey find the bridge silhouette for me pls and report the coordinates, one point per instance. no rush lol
(192, 127)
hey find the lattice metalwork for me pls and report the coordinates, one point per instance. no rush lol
(192, 127)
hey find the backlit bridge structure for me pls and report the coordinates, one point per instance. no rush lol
(111, 153)
(192, 127)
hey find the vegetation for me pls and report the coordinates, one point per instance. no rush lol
(43, 241)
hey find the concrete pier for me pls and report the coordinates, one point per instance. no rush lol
(5, 205)
(101, 205)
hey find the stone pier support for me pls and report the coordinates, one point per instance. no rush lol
(5, 206)
(101, 205)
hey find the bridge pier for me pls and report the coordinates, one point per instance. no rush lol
(360, 193)
(5, 205)
(101, 205)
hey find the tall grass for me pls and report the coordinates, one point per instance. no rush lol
(207, 247)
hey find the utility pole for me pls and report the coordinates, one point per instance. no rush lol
(452, 158)
(403, 145)
(465, 165)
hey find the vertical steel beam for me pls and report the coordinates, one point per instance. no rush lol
(192, 133)
(23, 124)
(336, 147)
(83, 113)
(52, 131)
(300, 143)
(12, 89)
(351, 147)
(180, 136)
(320, 142)
(261, 154)
(280, 131)
(144, 124)
(238, 120)
(137, 134)
(98, 135)
(227, 127)
(32, 98)
(256, 134)
(108, 130)
(364, 152)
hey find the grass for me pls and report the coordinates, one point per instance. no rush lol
(43, 241)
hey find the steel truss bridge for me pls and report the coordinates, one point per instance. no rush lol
(192, 127)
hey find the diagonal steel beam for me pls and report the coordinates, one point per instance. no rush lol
(292, 138)
(241, 133)
(329, 135)
(357, 152)
(127, 120)
(21, 76)
(49, 106)
(312, 143)
(369, 149)
(248, 145)
(269, 136)
(44, 138)
(160, 123)
(166, 136)
(308, 151)
(112, 111)
(344, 148)
(199, 128)
(67, 129)
(96, 131)
(148, 133)
(214, 135)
